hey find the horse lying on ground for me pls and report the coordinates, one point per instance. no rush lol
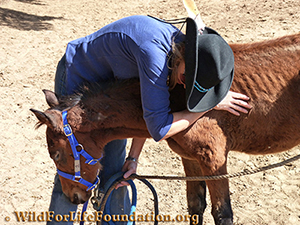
(268, 72)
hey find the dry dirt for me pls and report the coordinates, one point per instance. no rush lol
(34, 34)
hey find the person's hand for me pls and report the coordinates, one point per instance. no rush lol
(234, 103)
(129, 168)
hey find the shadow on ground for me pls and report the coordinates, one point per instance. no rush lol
(24, 21)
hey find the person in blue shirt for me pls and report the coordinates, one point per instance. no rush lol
(161, 56)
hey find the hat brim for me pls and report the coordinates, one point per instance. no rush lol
(199, 101)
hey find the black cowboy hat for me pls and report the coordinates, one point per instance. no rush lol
(209, 68)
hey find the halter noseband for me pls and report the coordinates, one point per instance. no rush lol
(77, 151)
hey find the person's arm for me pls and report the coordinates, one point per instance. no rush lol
(131, 162)
(130, 165)
(234, 103)
(181, 121)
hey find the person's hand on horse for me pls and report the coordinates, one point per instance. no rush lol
(234, 103)
(129, 168)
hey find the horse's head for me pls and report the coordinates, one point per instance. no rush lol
(73, 151)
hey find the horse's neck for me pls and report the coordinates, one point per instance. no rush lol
(111, 118)
(117, 112)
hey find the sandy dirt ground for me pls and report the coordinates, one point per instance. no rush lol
(33, 37)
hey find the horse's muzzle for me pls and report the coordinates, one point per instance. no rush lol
(78, 198)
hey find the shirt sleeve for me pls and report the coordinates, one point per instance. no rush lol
(153, 73)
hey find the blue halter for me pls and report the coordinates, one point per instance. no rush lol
(77, 151)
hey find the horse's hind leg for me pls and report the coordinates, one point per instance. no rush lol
(196, 191)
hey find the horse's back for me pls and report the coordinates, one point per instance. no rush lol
(268, 67)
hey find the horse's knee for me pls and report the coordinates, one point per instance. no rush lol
(196, 194)
(221, 207)
(220, 197)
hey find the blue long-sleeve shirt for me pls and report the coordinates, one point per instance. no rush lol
(135, 46)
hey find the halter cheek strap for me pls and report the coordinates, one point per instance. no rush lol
(77, 150)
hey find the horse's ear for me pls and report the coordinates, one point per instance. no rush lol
(42, 117)
(45, 118)
(51, 98)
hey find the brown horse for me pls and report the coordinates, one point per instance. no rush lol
(268, 72)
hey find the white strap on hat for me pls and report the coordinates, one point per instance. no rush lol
(193, 13)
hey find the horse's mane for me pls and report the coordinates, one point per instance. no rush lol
(113, 88)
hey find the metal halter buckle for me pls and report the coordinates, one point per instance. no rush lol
(68, 130)
(97, 198)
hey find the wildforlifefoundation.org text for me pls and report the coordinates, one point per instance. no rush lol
(28, 216)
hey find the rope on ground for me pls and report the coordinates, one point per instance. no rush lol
(198, 178)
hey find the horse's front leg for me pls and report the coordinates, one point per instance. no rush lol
(219, 190)
(221, 206)
(196, 191)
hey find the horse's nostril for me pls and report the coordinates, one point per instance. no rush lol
(76, 199)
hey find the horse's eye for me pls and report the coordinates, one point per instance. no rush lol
(56, 156)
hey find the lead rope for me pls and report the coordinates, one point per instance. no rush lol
(104, 206)
(83, 210)
(195, 178)
(220, 177)
(116, 182)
